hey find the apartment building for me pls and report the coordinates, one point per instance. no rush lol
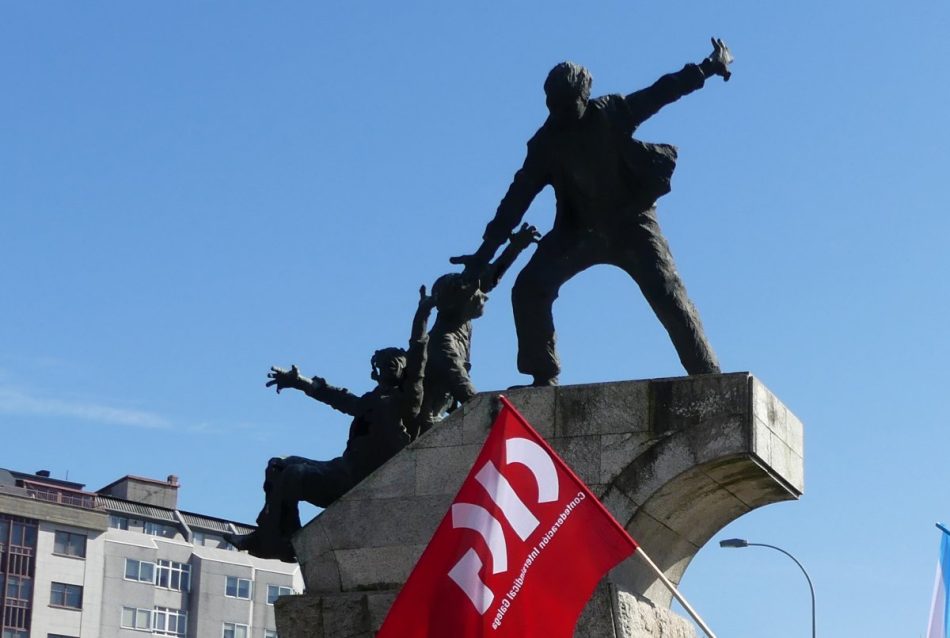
(123, 561)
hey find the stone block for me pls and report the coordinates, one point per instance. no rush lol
(582, 454)
(437, 469)
(681, 403)
(618, 504)
(347, 615)
(616, 450)
(312, 542)
(537, 406)
(300, 616)
(769, 409)
(762, 441)
(477, 416)
(350, 615)
(376, 568)
(446, 433)
(395, 479)
(720, 437)
(603, 408)
(637, 618)
(795, 430)
(381, 522)
(674, 460)
(322, 574)
(596, 620)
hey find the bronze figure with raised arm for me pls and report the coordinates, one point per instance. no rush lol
(382, 419)
(606, 184)
(459, 300)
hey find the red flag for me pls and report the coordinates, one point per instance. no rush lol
(520, 551)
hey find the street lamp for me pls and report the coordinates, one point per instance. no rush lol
(741, 542)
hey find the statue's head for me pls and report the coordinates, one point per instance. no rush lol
(567, 89)
(389, 364)
(458, 297)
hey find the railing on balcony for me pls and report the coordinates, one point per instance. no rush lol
(60, 495)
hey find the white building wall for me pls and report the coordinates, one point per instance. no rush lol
(106, 590)
(84, 572)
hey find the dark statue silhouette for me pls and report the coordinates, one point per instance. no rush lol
(382, 419)
(459, 300)
(606, 184)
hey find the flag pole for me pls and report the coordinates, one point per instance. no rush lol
(669, 585)
(637, 549)
(943, 528)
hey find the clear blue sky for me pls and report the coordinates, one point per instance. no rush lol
(192, 192)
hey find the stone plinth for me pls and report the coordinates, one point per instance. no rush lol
(674, 460)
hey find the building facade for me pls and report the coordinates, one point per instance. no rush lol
(123, 562)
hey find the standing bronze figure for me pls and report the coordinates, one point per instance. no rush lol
(606, 184)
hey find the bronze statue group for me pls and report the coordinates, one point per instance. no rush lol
(606, 184)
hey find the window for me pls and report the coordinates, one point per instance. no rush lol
(171, 622)
(22, 534)
(139, 570)
(70, 544)
(210, 540)
(133, 618)
(58, 636)
(274, 591)
(16, 618)
(64, 595)
(234, 630)
(158, 529)
(171, 575)
(237, 587)
(270, 633)
(16, 633)
(18, 587)
(118, 522)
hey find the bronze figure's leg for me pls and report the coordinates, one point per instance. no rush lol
(287, 481)
(647, 259)
(532, 298)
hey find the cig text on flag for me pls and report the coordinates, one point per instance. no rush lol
(519, 552)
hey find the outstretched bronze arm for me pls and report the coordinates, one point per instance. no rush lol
(645, 103)
(416, 364)
(493, 272)
(314, 387)
(527, 183)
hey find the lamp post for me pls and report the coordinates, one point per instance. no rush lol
(741, 542)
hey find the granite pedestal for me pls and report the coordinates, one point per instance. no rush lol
(674, 460)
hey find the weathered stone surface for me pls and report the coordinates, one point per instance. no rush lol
(636, 618)
(675, 460)
(368, 568)
(436, 468)
(611, 613)
(395, 479)
(350, 615)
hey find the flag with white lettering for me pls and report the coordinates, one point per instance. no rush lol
(519, 552)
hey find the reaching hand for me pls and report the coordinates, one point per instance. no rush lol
(284, 378)
(718, 61)
(426, 302)
(525, 236)
(472, 260)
